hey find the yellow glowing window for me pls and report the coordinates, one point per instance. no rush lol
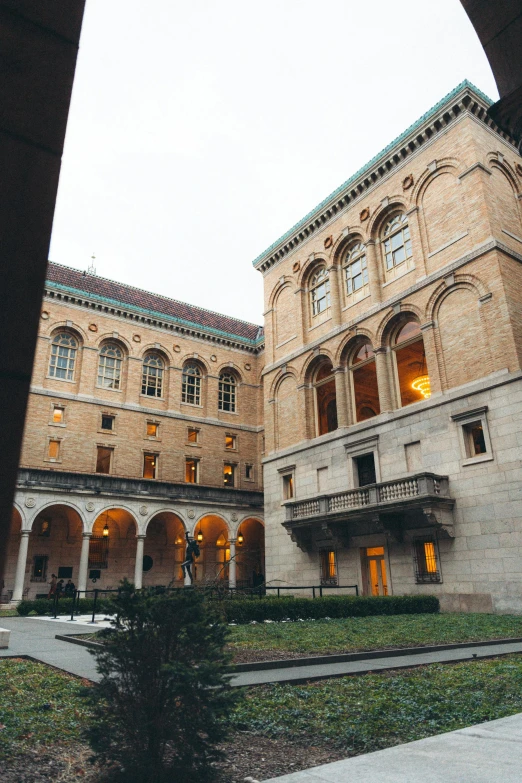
(288, 486)
(328, 566)
(191, 471)
(375, 551)
(430, 557)
(228, 475)
(58, 415)
(192, 435)
(152, 429)
(230, 442)
(54, 449)
(150, 466)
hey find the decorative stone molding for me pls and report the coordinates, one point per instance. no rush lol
(136, 338)
(364, 214)
(92, 328)
(191, 513)
(89, 506)
(144, 510)
(30, 502)
(44, 315)
(407, 182)
(234, 516)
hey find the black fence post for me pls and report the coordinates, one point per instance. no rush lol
(94, 606)
(55, 605)
(71, 619)
(321, 592)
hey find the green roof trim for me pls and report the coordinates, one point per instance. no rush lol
(434, 110)
(153, 313)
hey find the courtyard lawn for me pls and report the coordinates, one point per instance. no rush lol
(374, 711)
(321, 637)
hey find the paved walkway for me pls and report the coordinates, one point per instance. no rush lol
(487, 753)
(36, 637)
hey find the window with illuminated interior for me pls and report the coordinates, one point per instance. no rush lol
(324, 385)
(152, 377)
(150, 466)
(356, 271)
(426, 560)
(410, 363)
(227, 392)
(396, 241)
(63, 356)
(320, 291)
(109, 366)
(328, 567)
(229, 472)
(288, 486)
(364, 382)
(191, 384)
(191, 470)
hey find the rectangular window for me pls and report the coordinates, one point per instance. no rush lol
(150, 466)
(328, 567)
(103, 459)
(230, 442)
(65, 572)
(474, 439)
(365, 469)
(54, 449)
(107, 422)
(99, 552)
(249, 472)
(228, 474)
(39, 569)
(192, 435)
(58, 414)
(44, 528)
(426, 558)
(288, 486)
(152, 429)
(191, 470)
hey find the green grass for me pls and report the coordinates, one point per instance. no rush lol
(7, 612)
(370, 633)
(25, 687)
(374, 711)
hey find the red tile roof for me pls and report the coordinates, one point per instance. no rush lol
(126, 294)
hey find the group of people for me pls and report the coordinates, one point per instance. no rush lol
(58, 588)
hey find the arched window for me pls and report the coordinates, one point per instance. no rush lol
(324, 383)
(109, 366)
(227, 392)
(63, 356)
(364, 382)
(355, 269)
(152, 378)
(320, 291)
(191, 384)
(397, 242)
(410, 362)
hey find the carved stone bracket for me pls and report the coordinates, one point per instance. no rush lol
(441, 519)
(336, 535)
(302, 537)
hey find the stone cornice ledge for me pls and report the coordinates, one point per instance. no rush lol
(440, 274)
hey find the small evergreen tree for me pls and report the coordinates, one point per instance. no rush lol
(162, 703)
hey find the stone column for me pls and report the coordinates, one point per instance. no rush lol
(335, 299)
(383, 380)
(373, 261)
(232, 564)
(340, 397)
(20, 566)
(432, 356)
(138, 568)
(417, 245)
(84, 562)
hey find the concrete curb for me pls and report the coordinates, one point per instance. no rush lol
(82, 642)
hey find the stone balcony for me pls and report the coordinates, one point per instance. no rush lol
(58, 481)
(416, 503)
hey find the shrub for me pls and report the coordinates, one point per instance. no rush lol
(163, 701)
(329, 606)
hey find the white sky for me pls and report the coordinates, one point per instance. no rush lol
(200, 132)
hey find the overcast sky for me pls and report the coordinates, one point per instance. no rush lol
(200, 132)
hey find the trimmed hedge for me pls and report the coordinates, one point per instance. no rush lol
(43, 606)
(291, 608)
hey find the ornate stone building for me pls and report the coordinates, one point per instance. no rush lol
(144, 422)
(393, 384)
(384, 399)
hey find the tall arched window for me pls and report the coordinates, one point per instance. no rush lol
(410, 362)
(63, 356)
(320, 291)
(152, 377)
(364, 382)
(324, 383)
(109, 366)
(396, 240)
(227, 392)
(191, 384)
(355, 269)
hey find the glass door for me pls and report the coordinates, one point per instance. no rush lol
(377, 583)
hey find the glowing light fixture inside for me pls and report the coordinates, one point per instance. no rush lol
(106, 530)
(240, 538)
(422, 385)
(200, 537)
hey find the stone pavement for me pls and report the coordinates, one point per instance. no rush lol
(324, 670)
(35, 637)
(486, 753)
